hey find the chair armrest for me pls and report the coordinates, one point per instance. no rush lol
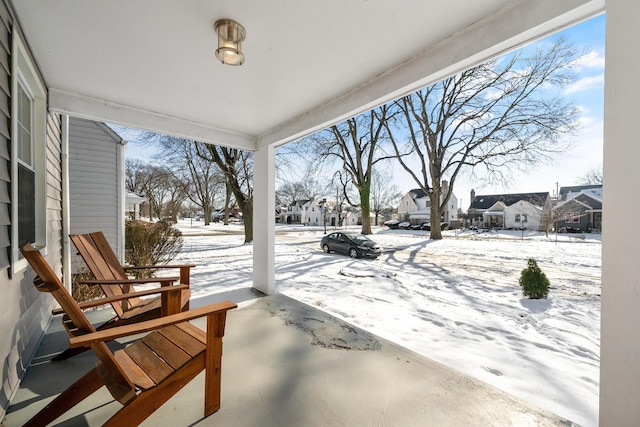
(149, 325)
(130, 281)
(154, 267)
(185, 270)
(115, 298)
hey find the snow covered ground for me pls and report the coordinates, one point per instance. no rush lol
(456, 301)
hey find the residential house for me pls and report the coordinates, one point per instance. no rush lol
(489, 210)
(581, 211)
(523, 215)
(132, 205)
(57, 61)
(566, 193)
(415, 207)
(312, 212)
(494, 216)
(296, 212)
(96, 181)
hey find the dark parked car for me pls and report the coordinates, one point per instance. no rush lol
(354, 245)
(427, 226)
(392, 224)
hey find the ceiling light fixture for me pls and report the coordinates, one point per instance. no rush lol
(230, 38)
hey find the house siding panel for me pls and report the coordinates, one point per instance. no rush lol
(24, 312)
(94, 154)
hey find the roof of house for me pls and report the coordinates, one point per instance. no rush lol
(585, 198)
(300, 202)
(418, 193)
(483, 202)
(595, 189)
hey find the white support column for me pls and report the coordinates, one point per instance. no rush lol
(620, 336)
(66, 203)
(264, 208)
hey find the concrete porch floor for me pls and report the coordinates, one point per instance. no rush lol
(289, 364)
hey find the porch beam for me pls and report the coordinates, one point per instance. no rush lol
(499, 33)
(102, 110)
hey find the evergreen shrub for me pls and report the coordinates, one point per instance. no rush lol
(533, 281)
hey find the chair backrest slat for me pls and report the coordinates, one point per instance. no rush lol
(104, 265)
(48, 281)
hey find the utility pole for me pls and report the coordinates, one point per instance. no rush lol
(555, 223)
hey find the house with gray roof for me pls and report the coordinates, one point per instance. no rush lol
(580, 211)
(489, 210)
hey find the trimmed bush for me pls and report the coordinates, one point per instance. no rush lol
(533, 281)
(81, 292)
(149, 243)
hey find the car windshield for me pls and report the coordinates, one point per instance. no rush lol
(359, 238)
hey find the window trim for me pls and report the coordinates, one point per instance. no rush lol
(25, 73)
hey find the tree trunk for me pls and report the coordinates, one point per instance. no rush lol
(365, 206)
(207, 214)
(227, 200)
(247, 215)
(435, 215)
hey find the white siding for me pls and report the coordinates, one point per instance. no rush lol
(24, 312)
(522, 208)
(96, 186)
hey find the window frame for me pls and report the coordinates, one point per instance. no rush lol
(25, 75)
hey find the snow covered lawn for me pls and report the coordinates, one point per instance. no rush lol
(456, 301)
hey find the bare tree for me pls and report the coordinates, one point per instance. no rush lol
(592, 177)
(290, 192)
(356, 144)
(384, 194)
(152, 182)
(201, 180)
(177, 195)
(489, 119)
(237, 167)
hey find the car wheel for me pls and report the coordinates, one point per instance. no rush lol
(353, 253)
(325, 248)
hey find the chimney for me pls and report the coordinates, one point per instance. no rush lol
(445, 187)
(473, 195)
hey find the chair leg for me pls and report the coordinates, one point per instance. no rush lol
(213, 363)
(73, 395)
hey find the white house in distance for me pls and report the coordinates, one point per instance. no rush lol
(524, 215)
(415, 207)
(311, 212)
(521, 210)
(132, 205)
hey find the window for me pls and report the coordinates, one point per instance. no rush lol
(572, 217)
(28, 165)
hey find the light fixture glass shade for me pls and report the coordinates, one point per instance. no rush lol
(230, 37)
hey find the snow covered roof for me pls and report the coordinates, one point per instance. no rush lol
(568, 192)
(484, 202)
(134, 198)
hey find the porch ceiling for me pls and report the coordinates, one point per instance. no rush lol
(151, 63)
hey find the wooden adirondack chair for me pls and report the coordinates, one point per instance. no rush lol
(112, 278)
(149, 371)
